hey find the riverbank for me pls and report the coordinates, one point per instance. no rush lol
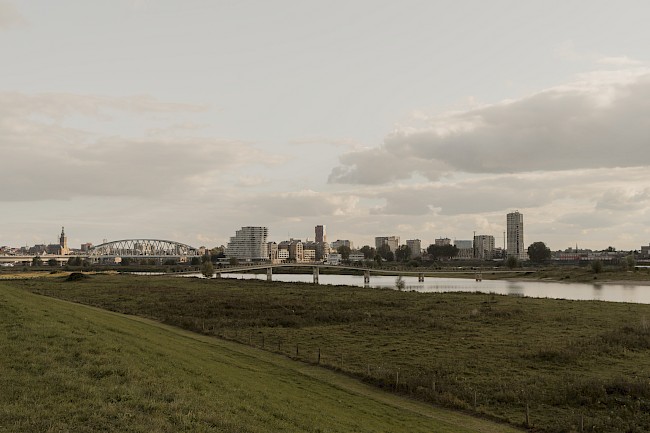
(559, 362)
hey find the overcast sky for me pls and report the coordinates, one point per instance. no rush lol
(185, 120)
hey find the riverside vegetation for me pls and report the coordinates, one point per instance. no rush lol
(74, 368)
(550, 365)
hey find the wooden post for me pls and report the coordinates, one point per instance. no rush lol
(527, 415)
(296, 350)
(397, 380)
(366, 278)
(250, 339)
(318, 356)
(279, 345)
(269, 274)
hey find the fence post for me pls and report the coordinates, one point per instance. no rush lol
(318, 356)
(296, 350)
(397, 380)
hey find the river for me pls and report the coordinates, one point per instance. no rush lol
(536, 289)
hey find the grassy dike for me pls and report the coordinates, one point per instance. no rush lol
(569, 366)
(72, 368)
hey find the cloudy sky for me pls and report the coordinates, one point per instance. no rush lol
(185, 120)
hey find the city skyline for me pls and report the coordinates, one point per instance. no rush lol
(140, 119)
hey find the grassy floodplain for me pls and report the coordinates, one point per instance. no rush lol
(568, 365)
(74, 368)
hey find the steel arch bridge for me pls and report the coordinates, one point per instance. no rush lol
(143, 248)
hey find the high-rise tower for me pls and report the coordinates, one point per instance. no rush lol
(321, 236)
(515, 231)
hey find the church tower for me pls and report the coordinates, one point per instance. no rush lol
(63, 242)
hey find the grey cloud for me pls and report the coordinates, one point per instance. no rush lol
(589, 125)
(41, 159)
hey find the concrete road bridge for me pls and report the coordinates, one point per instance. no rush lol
(316, 267)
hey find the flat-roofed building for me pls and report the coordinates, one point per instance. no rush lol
(249, 244)
(391, 241)
(415, 245)
(484, 247)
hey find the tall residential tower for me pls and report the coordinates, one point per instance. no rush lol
(515, 231)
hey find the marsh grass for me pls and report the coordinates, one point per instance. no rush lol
(569, 362)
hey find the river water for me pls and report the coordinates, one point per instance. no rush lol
(602, 292)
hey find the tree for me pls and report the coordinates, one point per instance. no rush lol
(368, 252)
(126, 261)
(52, 262)
(207, 269)
(37, 261)
(403, 253)
(597, 266)
(512, 262)
(344, 251)
(630, 263)
(538, 252)
(385, 253)
(195, 261)
(438, 252)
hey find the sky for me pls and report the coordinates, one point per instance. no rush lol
(187, 120)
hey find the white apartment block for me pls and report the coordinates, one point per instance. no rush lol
(249, 244)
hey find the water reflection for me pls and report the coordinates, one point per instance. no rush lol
(536, 289)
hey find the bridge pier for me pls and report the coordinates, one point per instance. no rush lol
(269, 274)
(315, 274)
(366, 278)
(421, 278)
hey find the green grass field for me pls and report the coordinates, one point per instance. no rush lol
(571, 365)
(73, 368)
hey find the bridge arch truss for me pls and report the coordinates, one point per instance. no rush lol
(143, 248)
